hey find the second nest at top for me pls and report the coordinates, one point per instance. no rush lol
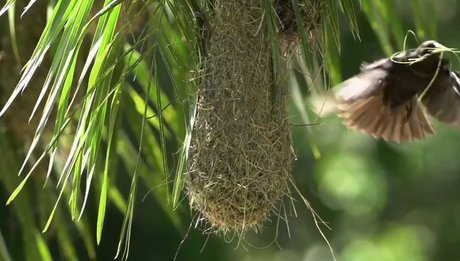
(311, 12)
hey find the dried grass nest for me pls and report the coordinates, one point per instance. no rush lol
(311, 11)
(240, 154)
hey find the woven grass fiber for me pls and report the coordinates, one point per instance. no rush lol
(311, 11)
(240, 155)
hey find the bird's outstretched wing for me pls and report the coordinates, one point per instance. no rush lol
(363, 85)
(360, 103)
(442, 100)
(366, 84)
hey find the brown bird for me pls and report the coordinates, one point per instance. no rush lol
(382, 100)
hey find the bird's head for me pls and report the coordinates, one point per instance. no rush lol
(428, 47)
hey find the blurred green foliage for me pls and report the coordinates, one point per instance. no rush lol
(383, 201)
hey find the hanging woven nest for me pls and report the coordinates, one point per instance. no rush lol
(240, 154)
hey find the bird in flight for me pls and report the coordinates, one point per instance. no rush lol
(391, 97)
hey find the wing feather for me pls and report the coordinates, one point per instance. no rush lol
(371, 117)
(359, 102)
(442, 100)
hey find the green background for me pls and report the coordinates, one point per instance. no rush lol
(383, 201)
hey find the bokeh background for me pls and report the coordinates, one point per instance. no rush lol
(383, 201)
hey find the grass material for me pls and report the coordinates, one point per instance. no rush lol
(240, 156)
(311, 14)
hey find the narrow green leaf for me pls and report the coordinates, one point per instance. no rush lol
(178, 181)
(12, 27)
(418, 19)
(348, 9)
(332, 55)
(51, 31)
(17, 190)
(45, 253)
(3, 249)
(7, 6)
(105, 183)
(330, 23)
(376, 22)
